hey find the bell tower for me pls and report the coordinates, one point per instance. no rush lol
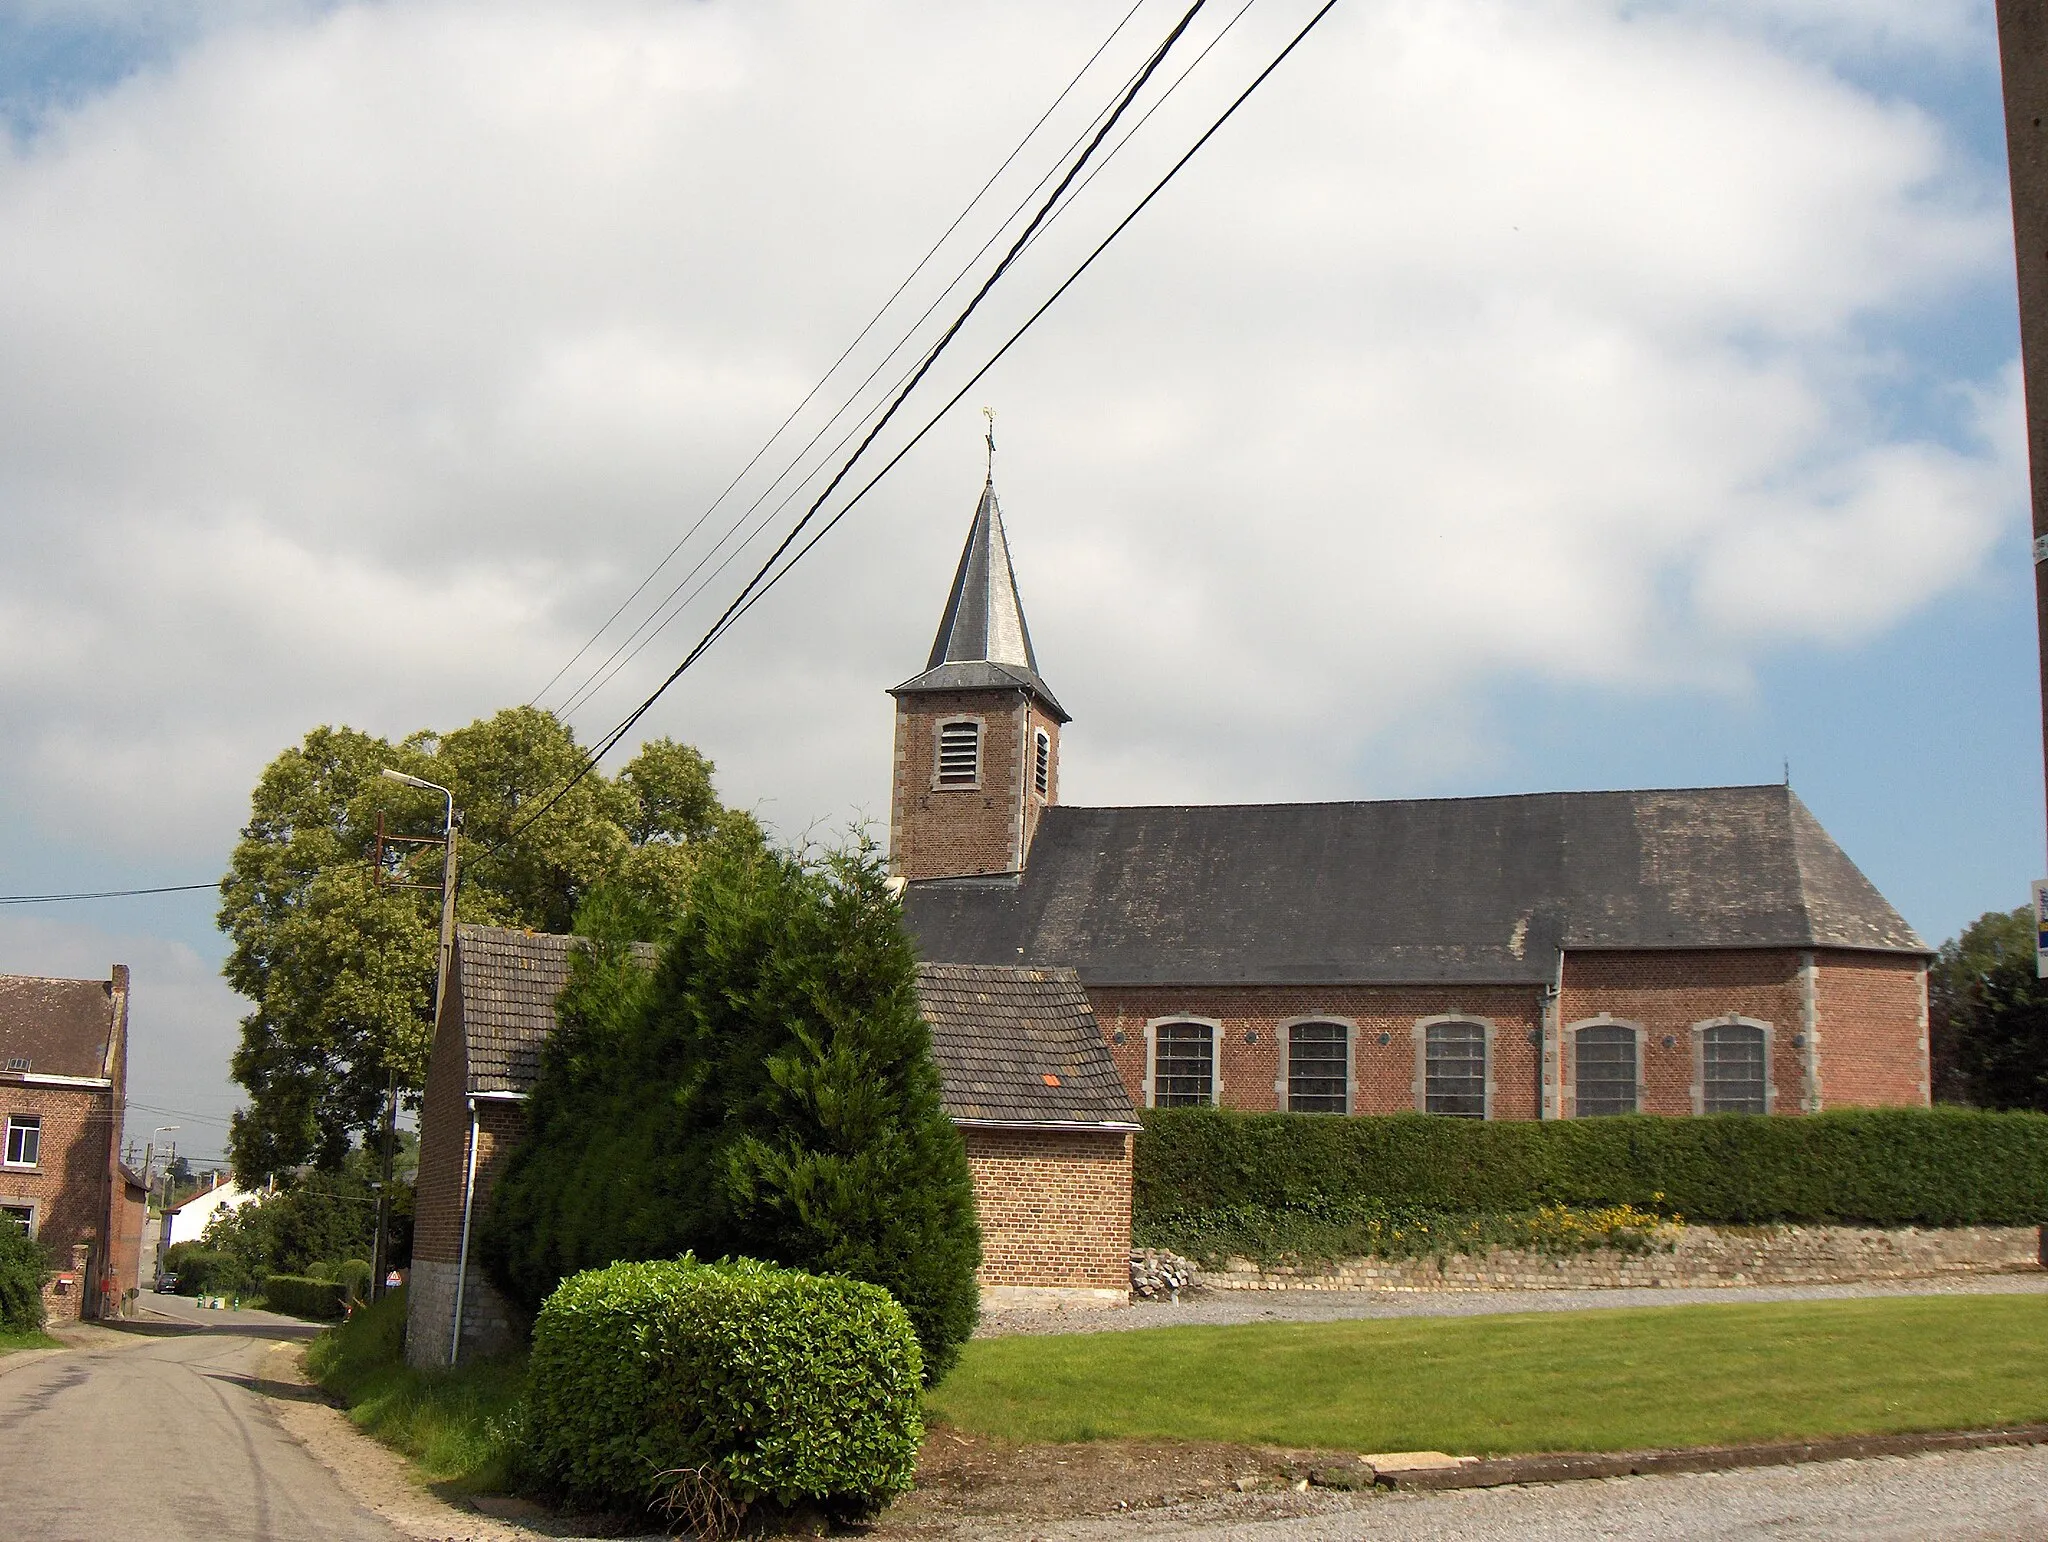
(978, 732)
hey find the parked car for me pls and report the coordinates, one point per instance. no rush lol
(167, 1285)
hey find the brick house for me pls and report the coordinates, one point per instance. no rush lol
(1539, 956)
(63, 1093)
(1026, 1077)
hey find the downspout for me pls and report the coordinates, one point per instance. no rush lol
(462, 1258)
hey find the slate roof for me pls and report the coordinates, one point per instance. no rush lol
(508, 982)
(983, 640)
(1409, 891)
(60, 1027)
(1020, 1046)
(996, 1033)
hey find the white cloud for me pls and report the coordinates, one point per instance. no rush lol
(358, 359)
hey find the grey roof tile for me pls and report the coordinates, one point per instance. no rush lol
(59, 1027)
(1020, 1046)
(1400, 891)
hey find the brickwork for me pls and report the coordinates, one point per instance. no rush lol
(1871, 1039)
(1383, 1020)
(1054, 1207)
(1695, 1256)
(953, 832)
(1667, 994)
(67, 1189)
(444, 1144)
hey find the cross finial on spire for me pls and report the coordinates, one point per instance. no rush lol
(989, 413)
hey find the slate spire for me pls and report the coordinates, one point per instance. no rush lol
(983, 640)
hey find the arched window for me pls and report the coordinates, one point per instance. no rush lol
(1041, 771)
(1183, 1065)
(1604, 1063)
(1318, 1068)
(960, 753)
(1734, 1069)
(1454, 1068)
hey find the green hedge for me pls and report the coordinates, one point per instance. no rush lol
(798, 1389)
(1879, 1167)
(24, 1267)
(297, 1296)
(202, 1271)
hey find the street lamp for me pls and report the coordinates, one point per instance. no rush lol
(380, 1267)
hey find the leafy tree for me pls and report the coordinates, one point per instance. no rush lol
(311, 1219)
(767, 1092)
(341, 967)
(1988, 1015)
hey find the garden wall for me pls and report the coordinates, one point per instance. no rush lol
(1699, 1256)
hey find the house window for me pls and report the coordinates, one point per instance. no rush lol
(1733, 1076)
(1454, 1069)
(1183, 1065)
(960, 753)
(1041, 772)
(1318, 1068)
(24, 1140)
(1604, 1069)
(23, 1216)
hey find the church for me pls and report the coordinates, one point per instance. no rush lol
(1537, 956)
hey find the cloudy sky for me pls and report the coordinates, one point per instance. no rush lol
(1517, 394)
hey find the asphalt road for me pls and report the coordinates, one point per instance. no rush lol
(147, 1438)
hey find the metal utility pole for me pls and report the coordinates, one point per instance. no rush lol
(2023, 66)
(380, 1265)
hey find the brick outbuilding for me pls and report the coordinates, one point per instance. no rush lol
(1546, 955)
(1025, 1073)
(63, 1093)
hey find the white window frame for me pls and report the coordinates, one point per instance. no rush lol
(1215, 1053)
(21, 1121)
(1041, 763)
(1420, 1033)
(1285, 1033)
(15, 1202)
(1571, 1059)
(939, 751)
(1699, 1058)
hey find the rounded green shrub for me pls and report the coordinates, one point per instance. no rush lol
(298, 1296)
(24, 1266)
(353, 1276)
(771, 1386)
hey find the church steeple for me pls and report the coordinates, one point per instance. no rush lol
(977, 733)
(983, 641)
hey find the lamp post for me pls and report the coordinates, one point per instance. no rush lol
(380, 1266)
(163, 1213)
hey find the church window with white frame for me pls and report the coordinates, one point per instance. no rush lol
(1183, 1065)
(1454, 1068)
(1318, 1068)
(1734, 1069)
(1606, 1059)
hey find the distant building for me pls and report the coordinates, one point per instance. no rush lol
(187, 1220)
(1547, 955)
(63, 1092)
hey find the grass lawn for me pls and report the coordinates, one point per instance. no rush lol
(1561, 1381)
(459, 1425)
(9, 1342)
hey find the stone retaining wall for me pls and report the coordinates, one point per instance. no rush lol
(1690, 1256)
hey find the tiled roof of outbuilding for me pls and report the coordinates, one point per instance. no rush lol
(996, 1033)
(509, 981)
(59, 1027)
(1411, 891)
(1020, 1046)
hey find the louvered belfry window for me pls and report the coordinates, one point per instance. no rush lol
(959, 753)
(1732, 1071)
(1454, 1069)
(1318, 1069)
(1604, 1066)
(1042, 771)
(1183, 1065)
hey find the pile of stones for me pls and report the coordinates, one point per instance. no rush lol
(1157, 1275)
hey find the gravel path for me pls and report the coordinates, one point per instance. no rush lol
(1970, 1496)
(1224, 1307)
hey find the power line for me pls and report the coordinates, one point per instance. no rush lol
(100, 894)
(598, 751)
(859, 337)
(635, 643)
(725, 623)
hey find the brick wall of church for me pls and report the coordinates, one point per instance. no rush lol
(1054, 1207)
(1863, 1042)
